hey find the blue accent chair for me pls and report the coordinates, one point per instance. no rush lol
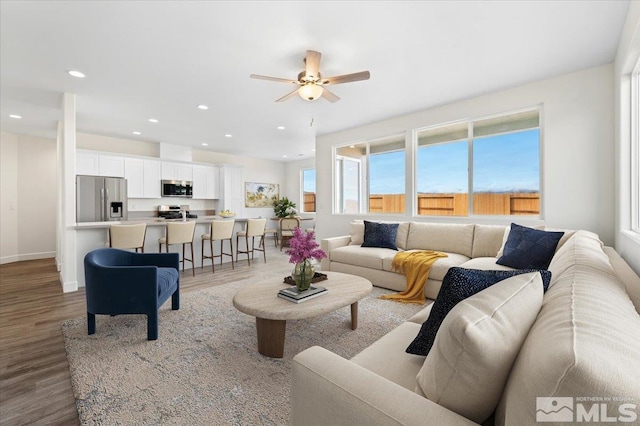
(122, 282)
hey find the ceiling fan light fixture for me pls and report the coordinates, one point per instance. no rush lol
(310, 91)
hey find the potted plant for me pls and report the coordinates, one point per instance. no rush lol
(284, 208)
(302, 248)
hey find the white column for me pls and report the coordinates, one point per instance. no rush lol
(67, 167)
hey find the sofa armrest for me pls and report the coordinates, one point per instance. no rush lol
(328, 389)
(329, 244)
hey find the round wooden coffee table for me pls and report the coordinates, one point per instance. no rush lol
(261, 300)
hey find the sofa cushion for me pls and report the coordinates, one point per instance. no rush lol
(487, 240)
(485, 264)
(387, 358)
(446, 237)
(357, 233)
(382, 235)
(371, 257)
(477, 345)
(421, 316)
(506, 236)
(167, 277)
(528, 248)
(458, 284)
(585, 341)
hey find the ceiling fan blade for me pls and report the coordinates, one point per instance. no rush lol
(281, 80)
(312, 64)
(287, 96)
(330, 96)
(347, 78)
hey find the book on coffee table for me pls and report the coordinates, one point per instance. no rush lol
(293, 295)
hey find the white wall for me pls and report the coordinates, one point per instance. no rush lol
(28, 193)
(121, 146)
(8, 197)
(627, 241)
(577, 150)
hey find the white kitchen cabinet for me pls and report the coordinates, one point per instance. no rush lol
(90, 163)
(152, 179)
(134, 173)
(231, 188)
(205, 182)
(176, 171)
(86, 163)
(143, 178)
(111, 165)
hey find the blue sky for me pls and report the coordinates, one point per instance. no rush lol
(502, 163)
(309, 180)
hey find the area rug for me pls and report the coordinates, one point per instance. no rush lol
(205, 369)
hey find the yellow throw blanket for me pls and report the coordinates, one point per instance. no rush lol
(415, 265)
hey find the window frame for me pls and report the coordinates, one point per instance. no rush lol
(302, 209)
(470, 163)
(635, 149)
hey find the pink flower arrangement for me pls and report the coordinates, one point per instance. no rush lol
(303, 246)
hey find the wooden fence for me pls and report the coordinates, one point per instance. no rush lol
(484, 203)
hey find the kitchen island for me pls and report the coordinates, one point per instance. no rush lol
(94, 235)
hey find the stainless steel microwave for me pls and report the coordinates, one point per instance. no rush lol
(177, 188)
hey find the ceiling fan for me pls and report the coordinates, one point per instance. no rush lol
(311, 84)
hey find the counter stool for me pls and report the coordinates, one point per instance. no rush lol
(220, 230)
(179, 233)
(255, 228)
(128, 236)
(273, 232)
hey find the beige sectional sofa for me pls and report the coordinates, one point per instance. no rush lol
(584, 342)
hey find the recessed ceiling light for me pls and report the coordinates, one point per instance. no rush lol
(203, 107)
(15, 116)
(228, 135)
(153, 120)
(136, 133)
(313, 150)
(205, 144)
(76, 73)
(281, 127)
(352, 146)
(300, 155)
(284, 156)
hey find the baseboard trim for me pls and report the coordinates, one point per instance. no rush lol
(28, 256)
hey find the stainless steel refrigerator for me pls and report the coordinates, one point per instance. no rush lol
(100, 199)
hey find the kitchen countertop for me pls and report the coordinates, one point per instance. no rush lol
(152, 221)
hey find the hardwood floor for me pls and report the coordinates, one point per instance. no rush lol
(35, 386)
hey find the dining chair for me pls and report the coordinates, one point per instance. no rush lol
(179, 233)
(255, 228)
(128, 236)
(287, 225)
(220, 230)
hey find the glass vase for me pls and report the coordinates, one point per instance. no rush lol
(302, 274)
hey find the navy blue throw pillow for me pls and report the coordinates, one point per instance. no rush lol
(457, 285)
(529, 248)
(380, 235)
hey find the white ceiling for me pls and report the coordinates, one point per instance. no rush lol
(160, 59)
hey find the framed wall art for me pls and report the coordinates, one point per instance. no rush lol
(261, 194)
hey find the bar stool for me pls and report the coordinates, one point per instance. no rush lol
(255, 228)
(179, 233)
(274, 232)
(220, 230)
(128, 236)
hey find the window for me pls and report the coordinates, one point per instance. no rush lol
(386, 175)
(498, 158)
(349, 178)
(309, 190)
(370, 176)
